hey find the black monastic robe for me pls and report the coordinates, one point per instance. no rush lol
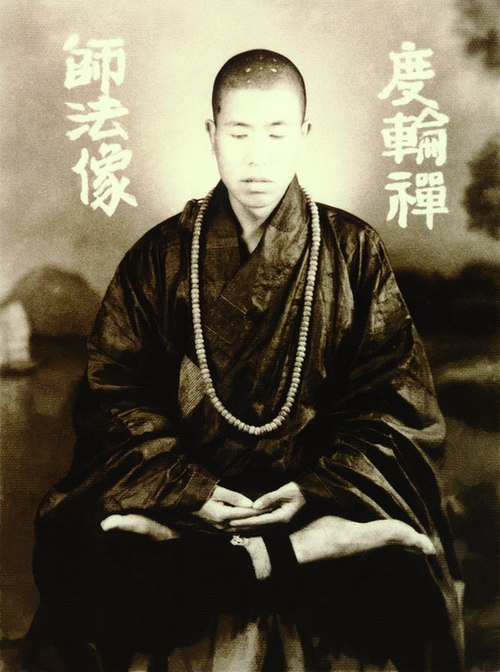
(362, 440)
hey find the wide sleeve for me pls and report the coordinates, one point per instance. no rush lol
(128, 454)
(382, 430)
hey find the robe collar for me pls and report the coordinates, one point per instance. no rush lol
(238, 295)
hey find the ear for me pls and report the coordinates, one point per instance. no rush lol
(210, 129)
(306, 128)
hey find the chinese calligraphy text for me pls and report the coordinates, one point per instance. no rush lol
(418, 134)
(101, 63)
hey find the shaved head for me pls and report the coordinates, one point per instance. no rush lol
(257, 69)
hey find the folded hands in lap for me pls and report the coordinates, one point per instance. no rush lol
(326, 537)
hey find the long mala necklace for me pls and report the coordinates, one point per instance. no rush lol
(199, 341)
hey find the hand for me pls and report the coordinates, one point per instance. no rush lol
(278, 506)
(132, 522)
(224, 506)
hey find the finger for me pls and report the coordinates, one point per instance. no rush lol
(267, 501)
(228, 513)
(278, 516)
(232, 498)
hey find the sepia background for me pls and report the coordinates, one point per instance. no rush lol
(57, 255)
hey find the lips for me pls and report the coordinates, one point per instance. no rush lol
(256, 180)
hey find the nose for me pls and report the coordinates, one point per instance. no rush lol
(257, 151)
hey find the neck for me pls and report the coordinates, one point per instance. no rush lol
(252, 221)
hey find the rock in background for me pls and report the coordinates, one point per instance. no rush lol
(57, 302)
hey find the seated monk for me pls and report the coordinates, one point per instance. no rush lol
(254, 482)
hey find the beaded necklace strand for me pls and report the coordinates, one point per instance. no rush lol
(199, 341)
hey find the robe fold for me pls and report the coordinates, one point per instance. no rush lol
(363, 439)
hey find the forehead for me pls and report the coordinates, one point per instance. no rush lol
(261, 105)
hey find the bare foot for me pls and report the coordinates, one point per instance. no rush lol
(137, 524)
(334, 537)
(256, 549)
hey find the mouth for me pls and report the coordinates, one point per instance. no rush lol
(256, 180)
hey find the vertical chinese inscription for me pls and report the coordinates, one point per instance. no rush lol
(100, 64)
(418, 135)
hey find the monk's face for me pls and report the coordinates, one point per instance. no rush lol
(257, 139)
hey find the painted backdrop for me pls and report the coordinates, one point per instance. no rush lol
(103, 104)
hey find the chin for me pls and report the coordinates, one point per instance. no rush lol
(258, 200)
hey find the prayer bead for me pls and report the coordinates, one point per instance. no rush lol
(301, 351)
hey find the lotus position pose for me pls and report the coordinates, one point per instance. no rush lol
(254, 484)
